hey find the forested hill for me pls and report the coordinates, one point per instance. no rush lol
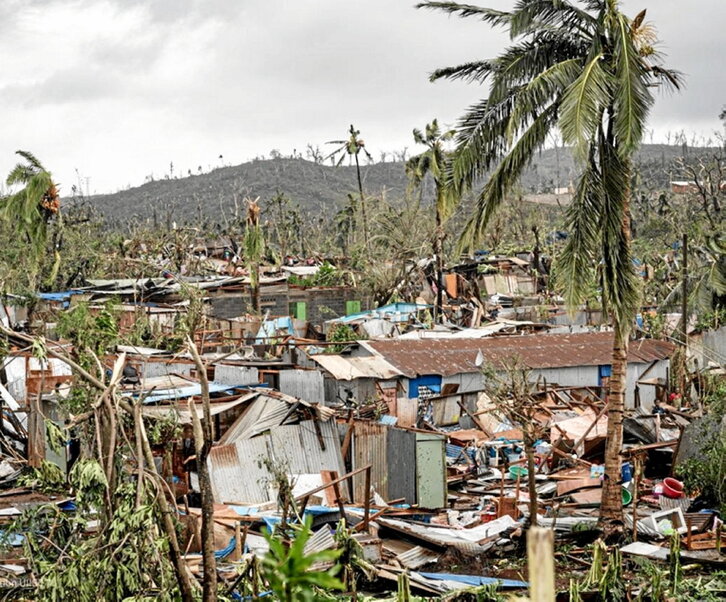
(322, 188)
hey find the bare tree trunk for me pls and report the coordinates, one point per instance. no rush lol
(203, 443)
(684, 319)
(36, 432)
(180, 568)
(531, 479)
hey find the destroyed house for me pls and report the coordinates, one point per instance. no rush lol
(399, 369)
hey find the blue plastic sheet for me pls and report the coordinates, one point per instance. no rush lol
(476, 580)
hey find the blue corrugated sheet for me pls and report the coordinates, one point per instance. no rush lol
(396, 312)
(63, 297)
(476, 580)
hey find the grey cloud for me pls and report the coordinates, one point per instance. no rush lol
(279, 74)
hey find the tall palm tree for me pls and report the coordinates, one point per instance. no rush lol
(585, 68)
(433, 161)
(352, 147)
(30, 210)
(32, 207)
(254, 245)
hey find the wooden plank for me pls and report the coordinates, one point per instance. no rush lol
(541, 561)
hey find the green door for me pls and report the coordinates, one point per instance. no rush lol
(299, 310)
(430, 470)
(352, 307)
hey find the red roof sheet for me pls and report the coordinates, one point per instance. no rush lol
(457, 356)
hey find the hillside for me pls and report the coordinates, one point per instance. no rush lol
(322, 188)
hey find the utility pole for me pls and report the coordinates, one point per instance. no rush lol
(684, 312)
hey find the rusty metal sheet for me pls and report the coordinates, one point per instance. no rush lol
(238, 470)
(349, 368)
(456, 356)
(238, 474)
(369, 447)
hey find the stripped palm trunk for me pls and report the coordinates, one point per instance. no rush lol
(611, 514)
(611, 508)
(439, 253)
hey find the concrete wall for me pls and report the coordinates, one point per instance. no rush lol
(324, 303)
(232, 305)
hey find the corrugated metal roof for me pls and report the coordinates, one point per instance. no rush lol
(349, 368)
(457, 356)
(238, 472)
(467, 540)
(268, 411)
(236, 482)
(264, 413)
(297, 447)
(417, 557)
(321, 540)
(184, 416)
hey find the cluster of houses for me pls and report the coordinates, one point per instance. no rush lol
(385, 428)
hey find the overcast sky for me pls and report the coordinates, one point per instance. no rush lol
(118, 89)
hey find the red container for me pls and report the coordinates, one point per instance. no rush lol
(672, 488)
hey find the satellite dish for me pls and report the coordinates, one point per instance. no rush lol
(479, 359)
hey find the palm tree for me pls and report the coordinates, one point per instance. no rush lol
(30, 210)
(33, 207)
(434, 161)
(352, 147)
(584, 68)
(254, 245)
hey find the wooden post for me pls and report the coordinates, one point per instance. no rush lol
(684, 317)
(367, 511)
(638, 468)
(336, 490)
(541, 561)
(237, 541)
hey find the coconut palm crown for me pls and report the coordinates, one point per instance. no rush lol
(586, 69)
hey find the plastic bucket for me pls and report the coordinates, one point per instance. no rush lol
(672, 488)
(627, 496)
(518, 472)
